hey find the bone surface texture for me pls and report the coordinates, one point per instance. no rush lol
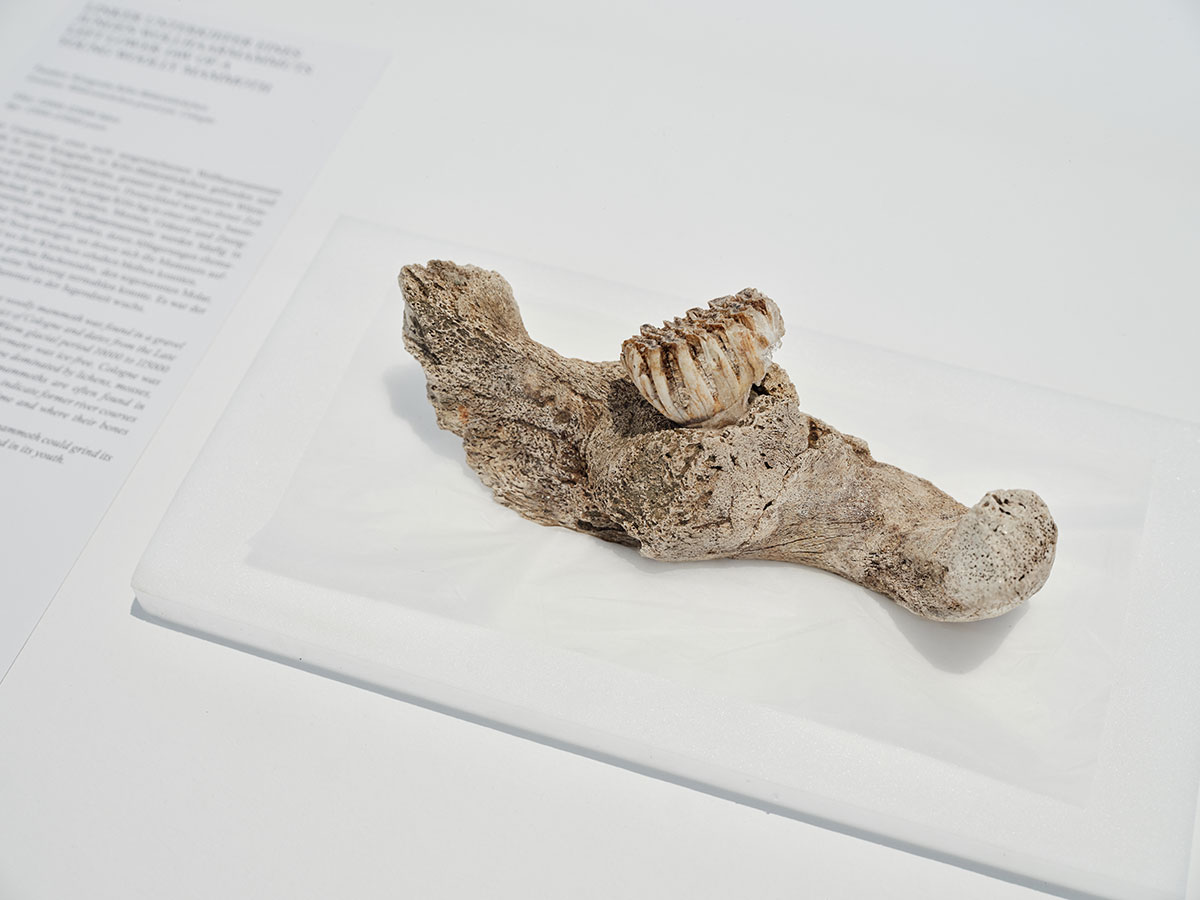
(693, 446)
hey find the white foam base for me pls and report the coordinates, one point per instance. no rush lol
(1058, 747)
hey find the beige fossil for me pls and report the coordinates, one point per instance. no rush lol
(699, 370)
(575, 443)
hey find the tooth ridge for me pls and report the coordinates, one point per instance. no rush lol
(698, 369)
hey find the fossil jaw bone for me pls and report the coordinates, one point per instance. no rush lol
(571, 442)
(698, 370)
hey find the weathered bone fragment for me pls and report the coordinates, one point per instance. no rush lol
(575, 443)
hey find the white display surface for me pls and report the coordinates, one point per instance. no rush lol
(335, 528)
(1010, 188)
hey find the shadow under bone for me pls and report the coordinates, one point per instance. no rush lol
(405, 386)
(957, 647)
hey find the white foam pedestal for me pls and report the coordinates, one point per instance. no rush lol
(330, 525)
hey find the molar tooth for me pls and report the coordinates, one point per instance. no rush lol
(662, 390)
(719, 367)
(693, 377)
(633, 355)
(698, 369)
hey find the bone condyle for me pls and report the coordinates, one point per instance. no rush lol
(693, 446)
